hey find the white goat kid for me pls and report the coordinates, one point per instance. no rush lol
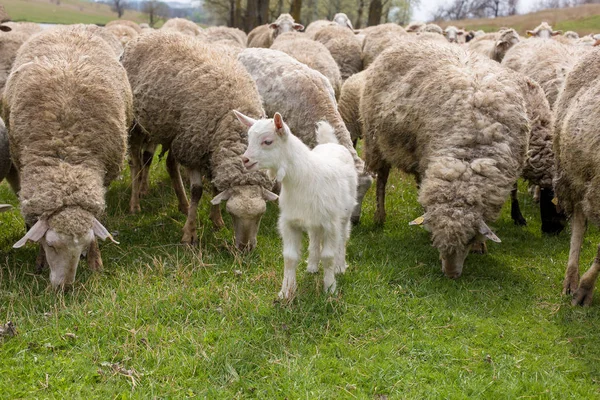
(318, 194)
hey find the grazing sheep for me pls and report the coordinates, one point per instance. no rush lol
(123, 22)
(458, 122)
(264, 35)
(67, 105)
(311, 53)
(344, 47)
(314, 27)
(455, 35)
(378, 38)
(184, 91)
(10, 42)
(342, 20)
(228, 36)
(577, 181)
(543, 31)
(349, 105)
(123, 33)
(305, 97)
(318, 194)
(496, 45)
(184, 26)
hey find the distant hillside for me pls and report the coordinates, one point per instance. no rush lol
(67, 12)
(582, 19)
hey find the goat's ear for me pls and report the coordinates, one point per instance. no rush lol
(487, 232)
(555, 33)
(34, 234)
(269, 196)
(298, 27)
(223, 196)
(5, 207)
(278, 121)
(274, 25)
(244, 119)
(530, 33)
(101, 232)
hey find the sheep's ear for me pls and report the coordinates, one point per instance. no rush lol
(555, 33)
(244, 119)
(5, 207)
(34, 234)
(223, 196)
(349, 24)
(298, 27)
(459, 33)
(278, 121)
(101, 232)
(597, 43)
(530, 33)
(269, 196)
(487, 232)
(274, 25)
(417, 221)
(5, 28)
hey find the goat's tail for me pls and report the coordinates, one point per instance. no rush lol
(326, 133)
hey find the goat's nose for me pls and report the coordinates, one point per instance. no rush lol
(245, 160)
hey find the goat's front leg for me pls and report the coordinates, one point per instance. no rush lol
(94, 258)
(578, 227)
(190, 234)
(584, 294)
(331, 243)
(292, 246)
(382, 177)
(315, 236)
(175, 175)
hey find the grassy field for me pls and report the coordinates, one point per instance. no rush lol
(583, 19)
(166, 321)
(67, 12)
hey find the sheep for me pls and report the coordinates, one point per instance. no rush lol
(378, 38)
(495, 46)
(10, 42)
(124, 22)
(416, 27)
(30, 28)
(305, 97)
(314, 27)
(264, 35)
(344, 47)
(123, 33)
(318, 194)
(311, 53)
(184, 26)
(342, 20)
(458, 122)
(349, 105)
(543, 31)
(4, 17)
(184, 91)
(473, 35)
(67, 105)
(571, 35)
(454, 35)
(433, 28)
(577, 182)
(426, 36)
(225, 35)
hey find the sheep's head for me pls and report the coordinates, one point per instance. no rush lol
(64, 240)
(543, 31)
(453, 34)
(342, 20)
(508, 38)
(246, 205)
(285, 23)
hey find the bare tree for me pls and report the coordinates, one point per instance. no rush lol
(359, 14)
(156, 11)
(118, 6)
(375, 10)
(296, 9)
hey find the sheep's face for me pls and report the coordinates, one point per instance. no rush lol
(246, 205)
(342, 20)
(543, 31)
(265, 140)
(63, 253)
(283, 25)
(453, 261)
(452, 34)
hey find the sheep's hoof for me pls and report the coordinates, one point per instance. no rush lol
(190, 239)
(95, 264)
(134, 209)
(379, 219)
(583, 296)
(570, 284)
(312, 268)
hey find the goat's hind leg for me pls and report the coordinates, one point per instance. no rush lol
(331, 245)
(315, 237)
(340, 255)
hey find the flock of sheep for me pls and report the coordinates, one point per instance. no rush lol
(467, 114)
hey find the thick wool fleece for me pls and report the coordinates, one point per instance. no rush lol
(577, 138)
(68, 106)
(344, 47)
(184, 26)
(378, 38)
(545, 61)
(123, 33)
(314, 27)
(225, 35)
(349, 103)
(184, 94)
(311, 53)
(458, 122)
(124, 22)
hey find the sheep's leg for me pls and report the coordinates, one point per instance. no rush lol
(135, 166)
(215, 213)
(515, 210)
(40, 261)
(340, 256)
(292, 246)
(315, 236)
(147, 157)
(382, 176)
(331, 240)
(13, 179)
(94, 258)
(584, 294)
(173, 170)
(190, 234)
(578, 227)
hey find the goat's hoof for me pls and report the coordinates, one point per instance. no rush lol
(312, 268)
(341, 269)
(330, 288)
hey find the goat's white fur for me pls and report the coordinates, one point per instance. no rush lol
(318, 194)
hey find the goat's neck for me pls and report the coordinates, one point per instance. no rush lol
(296, 161)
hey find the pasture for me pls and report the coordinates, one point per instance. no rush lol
(166, 321)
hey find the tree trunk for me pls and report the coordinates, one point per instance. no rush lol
(251, 15)
(231, 19)
(279, 9)
(375, 9)
(263, 9)
(296, 9)
(238, 15)
(359, 14)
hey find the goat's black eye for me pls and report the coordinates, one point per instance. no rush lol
(268, 142)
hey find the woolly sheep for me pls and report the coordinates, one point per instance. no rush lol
(344, 47)
(305, 97)
(577, 181)
(314, 27)
(378, 38)
(184, 26)
(571, 35)
(124, 22)
(264, 35)
(495, 46)
(458, 122)
(342, 20)
(454, 35)
(10, 42)
(426, 36)
(473, 35)
(225, 35)
(349, 104)
(184, 91)
(416, 27)
(123, 33)
(67, 105)
(311, 53)
(543, 31)
(318, 194)
(433, 28)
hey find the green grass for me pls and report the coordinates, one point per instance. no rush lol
(191, 323)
